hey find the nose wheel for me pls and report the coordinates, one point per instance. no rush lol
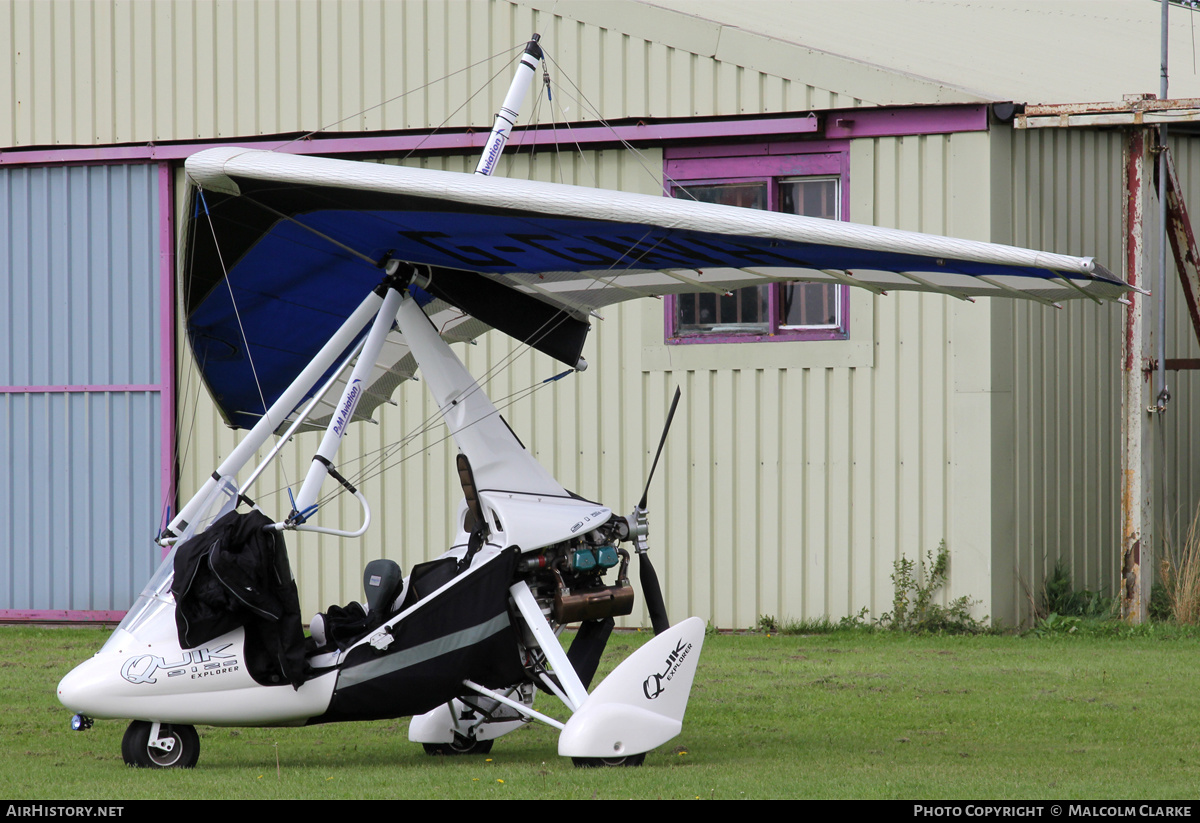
(160, 746)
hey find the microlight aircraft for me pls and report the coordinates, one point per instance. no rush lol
(314, 288)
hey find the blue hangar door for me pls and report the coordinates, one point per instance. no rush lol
(83, 373)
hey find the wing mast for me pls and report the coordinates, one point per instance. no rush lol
(507, 116)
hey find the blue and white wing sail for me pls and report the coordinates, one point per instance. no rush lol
(295, 242)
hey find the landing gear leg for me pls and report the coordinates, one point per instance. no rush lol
(160, 746)
(460, 745)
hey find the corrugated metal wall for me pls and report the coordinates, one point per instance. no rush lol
(804, 469)
(1062, 368)
(787, 489)
(587, 429)
(79, 286)
(813, 467)
(794, 485)
(1063, 399)
(927, 425)
(1180, 443)
(195, 69)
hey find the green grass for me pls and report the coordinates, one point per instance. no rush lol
(850, 714)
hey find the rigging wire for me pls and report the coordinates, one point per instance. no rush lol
(365, 257)
(535, 336)
(379, 456)
(517, 140)
(184, 384)
(513, 53)
(539, 334)
(232, 300)
(379, 463)
(507, 66)
(598, 280)
(433, 420)
(508, 360)
(236, 313)
(509, 51)
(380, 466)
(570, 131)
(584, 102)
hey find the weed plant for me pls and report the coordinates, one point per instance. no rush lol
(914, 608)
(769, 624)
(1180, 573)
(1060, 597)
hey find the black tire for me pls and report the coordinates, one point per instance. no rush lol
(460, 745)
(607, 762)
(136, 751)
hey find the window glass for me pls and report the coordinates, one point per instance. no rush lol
(745, 309)
(772, 311)
(809, 305)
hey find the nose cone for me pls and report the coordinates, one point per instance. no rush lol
(83, 689)
(71, 687)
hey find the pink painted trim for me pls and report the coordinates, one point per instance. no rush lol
(874, 122)
(764, 149)
(898, 122)
(440, 141)
(166, 336)
(78, 389)
(731, 167)
(59, 616)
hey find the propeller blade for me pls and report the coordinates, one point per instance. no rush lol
(662, 442)
(639, 521)
(653, 593)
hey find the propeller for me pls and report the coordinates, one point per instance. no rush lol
(639, 528)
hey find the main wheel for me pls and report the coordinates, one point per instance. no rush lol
(460, 745)
(183, 752)
(603, 762)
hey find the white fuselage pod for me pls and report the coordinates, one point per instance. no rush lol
(150, 677)
(534, 522)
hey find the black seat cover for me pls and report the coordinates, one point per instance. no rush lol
(382, 581)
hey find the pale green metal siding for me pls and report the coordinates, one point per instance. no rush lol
(1061, 190)
(1180, 441)
(789, 487)
(588, 429)
(930, 421)
(88, 73)
(798, 472)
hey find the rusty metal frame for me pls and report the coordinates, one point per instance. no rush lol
(1132, 110)
(1183, 244)
(1135, 444)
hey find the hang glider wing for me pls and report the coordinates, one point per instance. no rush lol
(295, 242)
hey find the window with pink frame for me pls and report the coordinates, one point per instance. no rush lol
(799, 178)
